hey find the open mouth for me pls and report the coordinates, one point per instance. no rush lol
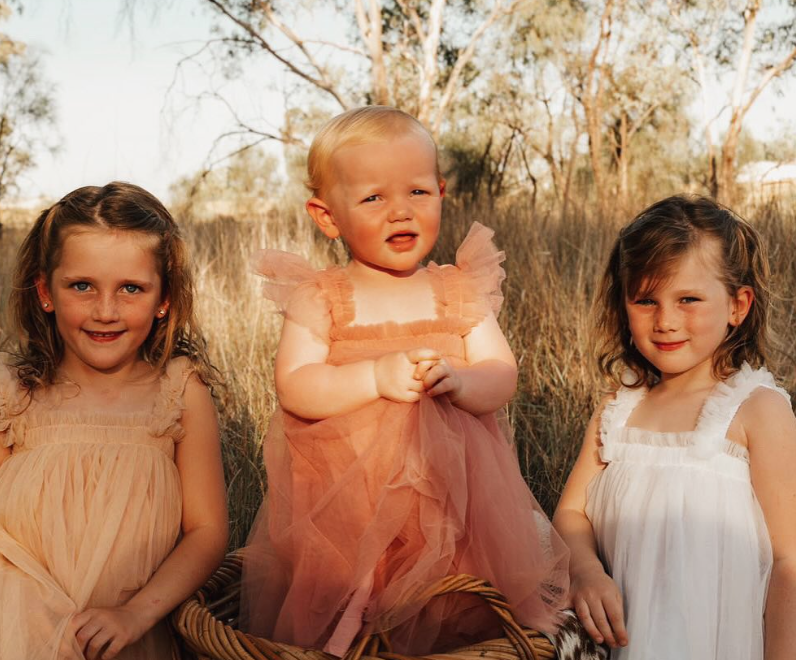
(402, 241)
(104, 337)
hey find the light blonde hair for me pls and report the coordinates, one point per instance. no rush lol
(373, 123)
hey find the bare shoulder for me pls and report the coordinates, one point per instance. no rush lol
(763, 406)
(766, 416)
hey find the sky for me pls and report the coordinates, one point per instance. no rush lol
(124, 111)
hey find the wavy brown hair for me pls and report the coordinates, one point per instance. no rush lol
(646, 252)
(121, 207)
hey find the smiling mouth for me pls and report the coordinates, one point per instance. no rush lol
(669, 346)
(104, 336)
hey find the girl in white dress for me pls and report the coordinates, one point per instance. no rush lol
(684, 492)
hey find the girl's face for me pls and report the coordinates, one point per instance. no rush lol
(105, 292)
(680, 324)
(385, 200)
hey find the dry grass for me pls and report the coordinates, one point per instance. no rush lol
(553, 266)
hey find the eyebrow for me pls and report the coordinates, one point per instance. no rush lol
(85, 278)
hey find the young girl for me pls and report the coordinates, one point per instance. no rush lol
(387, 468)
(112, 506)
(685, 488)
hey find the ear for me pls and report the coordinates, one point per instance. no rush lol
(43, 291)
(741, 303)
(163, 309)
(442, 187)
(321, 214)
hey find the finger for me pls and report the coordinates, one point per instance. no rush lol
(584, 614)
(436, 374)
(422, 368)
(113, 650)
(418, 354)
(86, 634)
(412, 397)
(441, 387)
(601, 621)
(616, 617)
(98, 643)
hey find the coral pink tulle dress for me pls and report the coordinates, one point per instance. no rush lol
(90, 506)
(366, 509)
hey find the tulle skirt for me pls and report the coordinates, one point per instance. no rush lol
(366, 510)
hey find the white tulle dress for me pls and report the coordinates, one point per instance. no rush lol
(680, 530)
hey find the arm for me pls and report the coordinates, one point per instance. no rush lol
(198, 553)
(770, 430)
(488, 381)
(310, 388)
(595, 596)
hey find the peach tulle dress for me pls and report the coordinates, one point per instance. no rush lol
(366, 509)
(90, 506)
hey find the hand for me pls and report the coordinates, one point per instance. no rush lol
(598, 604)
(395, 374)
(439, 378)
(104, 631)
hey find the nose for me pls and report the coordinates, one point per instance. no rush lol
(666, 318)
(401, 210)
(106, 309)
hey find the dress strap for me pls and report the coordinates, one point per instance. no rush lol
(722, 405)
(614, 418)
(170, 401)
(10, 396)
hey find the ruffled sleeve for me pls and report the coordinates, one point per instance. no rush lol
(471, 289)
(170, 402)
(722, 405)
(9, 396)
(614, 418)
(295, 286)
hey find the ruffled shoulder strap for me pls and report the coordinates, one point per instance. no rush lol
(170, 401)
(614, 418)
(296, 288)
(722, 405)
(471, 288)
(10, 396)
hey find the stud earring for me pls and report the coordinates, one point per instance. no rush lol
(161, 312)
(45, 305)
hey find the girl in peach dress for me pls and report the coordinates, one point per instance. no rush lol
(112, 506)
(388, 468)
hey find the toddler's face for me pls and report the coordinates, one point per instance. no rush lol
(105, 292)
(680, 323)
(385, 200)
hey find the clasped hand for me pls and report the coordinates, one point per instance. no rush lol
(102, 632)
(404, 376)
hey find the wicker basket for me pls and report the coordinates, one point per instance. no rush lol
(206, 624)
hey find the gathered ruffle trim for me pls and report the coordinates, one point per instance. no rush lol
(722, 404)
(170, 403)
(614, 417)
(709, 437)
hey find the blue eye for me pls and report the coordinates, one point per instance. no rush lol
(131, 288)
(419, 191)
(689, 299)
(80, 286)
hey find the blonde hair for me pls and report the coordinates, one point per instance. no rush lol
(374, 123)
(116, 206)
(646, 252)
